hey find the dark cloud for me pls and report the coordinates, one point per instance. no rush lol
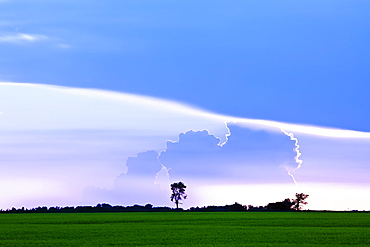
(144, 164)
(248, 156)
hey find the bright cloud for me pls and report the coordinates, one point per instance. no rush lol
(22, 38)
(94, 146)
(145, 102)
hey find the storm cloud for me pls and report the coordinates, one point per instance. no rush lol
(67, 146)
(248, 156)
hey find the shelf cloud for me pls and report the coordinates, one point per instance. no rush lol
(90, 146)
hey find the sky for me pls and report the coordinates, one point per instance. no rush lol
(235, 98)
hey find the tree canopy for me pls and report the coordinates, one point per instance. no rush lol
(300, 199)
(178, 193)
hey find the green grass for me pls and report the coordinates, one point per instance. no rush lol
(186, 229)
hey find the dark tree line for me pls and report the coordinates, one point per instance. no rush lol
(89, 209)
(178, 194)
(288, 204)
(136, 208)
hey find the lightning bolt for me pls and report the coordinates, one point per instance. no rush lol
(296, 158)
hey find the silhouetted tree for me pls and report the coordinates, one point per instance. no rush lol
(178, 193)
(300, 199)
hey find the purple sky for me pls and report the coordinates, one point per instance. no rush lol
(66, 146)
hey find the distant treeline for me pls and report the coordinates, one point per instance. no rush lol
(104, 207)
(89, 209)
(285, 205)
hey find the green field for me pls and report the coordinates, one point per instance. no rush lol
(186, 229)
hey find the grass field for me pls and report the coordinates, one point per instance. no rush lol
(186, 229)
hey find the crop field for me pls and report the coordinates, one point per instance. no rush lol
(186, 229)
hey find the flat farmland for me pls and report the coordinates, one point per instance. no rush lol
(186, 229)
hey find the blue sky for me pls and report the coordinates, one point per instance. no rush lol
(298, 62)
(303, 62)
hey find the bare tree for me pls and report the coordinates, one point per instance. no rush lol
(300, 199)
(178, 193)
